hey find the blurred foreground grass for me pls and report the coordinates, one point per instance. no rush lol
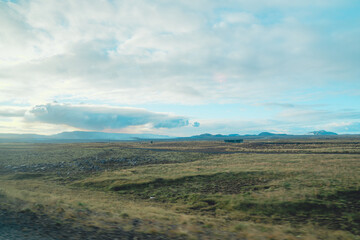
(205, 193)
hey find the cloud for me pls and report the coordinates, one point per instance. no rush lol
(138, 52)
(344, 126)
(12, 111)
(92, 54)
(318, 116)
(196, 124)
(101, 117)
(293, 106)
(282, 105)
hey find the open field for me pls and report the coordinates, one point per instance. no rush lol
(278, 189)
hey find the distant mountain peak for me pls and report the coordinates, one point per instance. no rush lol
(266, 134)
(322, 132)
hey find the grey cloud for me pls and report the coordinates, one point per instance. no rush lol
(101, 117)
(196, 124)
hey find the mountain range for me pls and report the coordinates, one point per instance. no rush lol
(82, 136)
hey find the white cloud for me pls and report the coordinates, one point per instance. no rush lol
(101, 117)
(184, 52)
(236, 18)
(148, 48)
(12, 111)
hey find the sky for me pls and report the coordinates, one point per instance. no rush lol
(180, 68)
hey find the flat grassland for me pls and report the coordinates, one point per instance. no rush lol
(269, 189)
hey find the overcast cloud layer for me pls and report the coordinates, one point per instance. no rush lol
(257, 54)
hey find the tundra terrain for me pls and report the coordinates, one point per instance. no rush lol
(258, 189)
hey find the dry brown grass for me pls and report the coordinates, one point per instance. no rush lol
(90, 200)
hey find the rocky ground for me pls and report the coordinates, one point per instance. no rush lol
(81, 165)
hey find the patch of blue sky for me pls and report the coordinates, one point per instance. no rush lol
(270, 17)
(350, 129)
(341, 93)
(336, 18)
(12, 1)
(265, 17)
(336, 102)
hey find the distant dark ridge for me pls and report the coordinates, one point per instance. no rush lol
(322, 133)
(208, 135)
(79, 136)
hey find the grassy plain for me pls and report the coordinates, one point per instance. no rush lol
(276, 189)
